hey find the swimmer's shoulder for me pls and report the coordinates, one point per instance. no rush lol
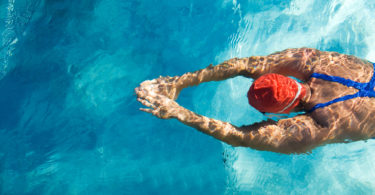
(343, 65)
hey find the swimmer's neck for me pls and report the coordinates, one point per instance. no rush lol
(307, 96)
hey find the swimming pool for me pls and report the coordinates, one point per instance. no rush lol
(69, 119)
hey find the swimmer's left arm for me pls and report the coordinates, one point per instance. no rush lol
(171, 86)
(291, 62)
(299, 62)
(299, 134)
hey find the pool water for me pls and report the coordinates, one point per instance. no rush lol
(69, 119)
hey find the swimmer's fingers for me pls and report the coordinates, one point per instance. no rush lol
(166, 86)
(160, 113)
(153, 104)
(147, 110)
(141, 92)
(152, 108)
(162, 107)
(149, 84)
(152, 98)
(138, 91)
(146, 103)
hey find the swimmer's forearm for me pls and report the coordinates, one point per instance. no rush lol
(228, 69)
(220, 130)
(261, 140)
(261, 136)
(255, 137)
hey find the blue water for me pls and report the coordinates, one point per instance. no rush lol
(69, 119)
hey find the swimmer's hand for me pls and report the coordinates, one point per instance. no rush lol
(159, 105)
(165, 86)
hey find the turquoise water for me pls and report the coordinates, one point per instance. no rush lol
(69, 119)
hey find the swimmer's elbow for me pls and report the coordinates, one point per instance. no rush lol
(295, 147)
(286, 137)
(285, 148)
(284, 145)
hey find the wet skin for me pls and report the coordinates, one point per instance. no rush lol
(339, 122)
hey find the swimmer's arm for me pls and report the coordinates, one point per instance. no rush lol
(171, 86)
(227, 69)
(299, 134)
(292, 135)
(295, 135)
(290, 62)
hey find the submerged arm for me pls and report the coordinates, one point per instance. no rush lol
(171, 86)
(293, 135)
(291, 62)
(299, 134)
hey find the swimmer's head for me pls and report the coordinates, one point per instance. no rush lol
(274, 93)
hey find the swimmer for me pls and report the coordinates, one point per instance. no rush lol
(335, 91)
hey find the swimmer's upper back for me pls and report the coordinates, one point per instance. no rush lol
(349, 116)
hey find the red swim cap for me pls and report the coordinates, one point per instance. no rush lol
(275, 93)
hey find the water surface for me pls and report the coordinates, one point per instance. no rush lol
(69, 120)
